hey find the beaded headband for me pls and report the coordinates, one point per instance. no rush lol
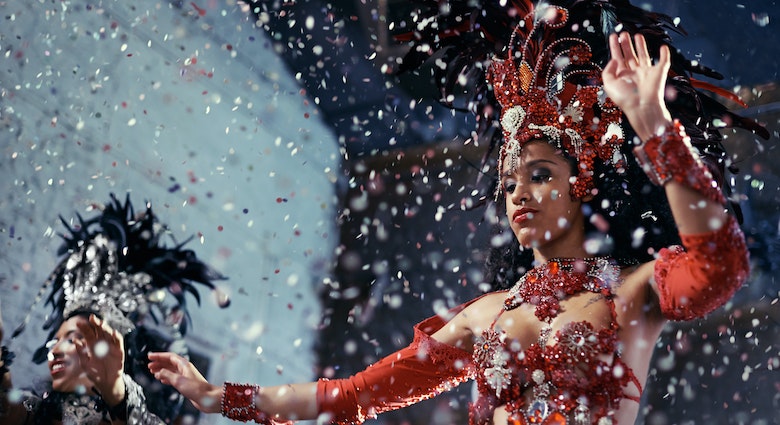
(539, 99)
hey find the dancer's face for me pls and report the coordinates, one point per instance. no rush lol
(66, 370)
(536, 191)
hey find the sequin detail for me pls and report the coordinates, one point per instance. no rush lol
(539, 86)
(573, 375)
(545, 286)
(670, 156)
(696, 280)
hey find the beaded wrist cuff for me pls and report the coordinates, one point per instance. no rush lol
(238, 404)
(670, 156)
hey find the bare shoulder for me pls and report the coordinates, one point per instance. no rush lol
(483, 311)
(636, 296)
(635, 279)
(477, 316)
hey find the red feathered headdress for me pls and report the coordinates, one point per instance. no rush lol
(535, 68)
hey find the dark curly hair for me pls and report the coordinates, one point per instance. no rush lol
(464, 35)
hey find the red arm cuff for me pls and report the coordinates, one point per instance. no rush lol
(695, 281)
(670, 156)
(239, 404)
(422, 370)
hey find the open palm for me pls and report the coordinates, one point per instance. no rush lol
(102, 355)
(635, 84)
(176, 371)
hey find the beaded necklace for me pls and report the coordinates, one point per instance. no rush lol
(546, 285)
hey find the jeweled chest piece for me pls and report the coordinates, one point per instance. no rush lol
(545, 286)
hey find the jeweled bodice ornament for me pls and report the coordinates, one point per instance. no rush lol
(546, 285)
(573, 375)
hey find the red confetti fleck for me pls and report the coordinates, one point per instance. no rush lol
(224, 252)
(201, 12)
(289, 306)
(192, 177)
(129, 55)
(297, 233)
(204, 92)
(124, 104)
(193, 60)
(220, 228)
(113, 164)
(114, 25)
(229, 47)
(192, 200)
(306, 115)
(106, 147)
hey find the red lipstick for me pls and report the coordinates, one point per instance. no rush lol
(523, 214)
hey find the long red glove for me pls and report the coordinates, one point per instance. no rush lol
(695, 281)
(422, 370)
(700, 278)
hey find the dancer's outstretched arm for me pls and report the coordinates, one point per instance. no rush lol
(294, 401)
(692, 282)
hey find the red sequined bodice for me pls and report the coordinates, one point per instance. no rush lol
(574, 375)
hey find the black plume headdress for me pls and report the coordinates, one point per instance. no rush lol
(116, 266)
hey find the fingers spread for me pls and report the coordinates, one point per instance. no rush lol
(164, 375)
(643, 56)
(82, 349)
(664, 57)
(627, 48)
(104, 329)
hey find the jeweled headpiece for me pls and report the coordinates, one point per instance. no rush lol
(549, 89)
(534, 70)
(115, 265)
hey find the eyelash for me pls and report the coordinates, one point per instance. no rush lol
(541, 177)
(51, 343)
(538, 176)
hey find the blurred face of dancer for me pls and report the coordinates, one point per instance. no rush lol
(66, 371)
(541, 212)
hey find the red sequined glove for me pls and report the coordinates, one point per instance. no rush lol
(670, 156)
(695, 281)
(238, 404)
(422, 370)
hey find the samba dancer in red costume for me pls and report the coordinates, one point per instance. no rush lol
(571, 341)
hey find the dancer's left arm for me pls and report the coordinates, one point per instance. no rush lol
(714, 264)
